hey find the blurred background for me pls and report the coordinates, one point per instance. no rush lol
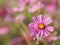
(15, 15)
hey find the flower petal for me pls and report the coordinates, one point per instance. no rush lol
(33, 26)
(47, 20)
(40, 17)
(35, 19)
(37, 36)
(50, 28)
(33, 33)
(41, 33)
(46, 33)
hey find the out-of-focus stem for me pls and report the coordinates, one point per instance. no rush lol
(39, 43)
(26, 37)
(50, 43)
(24, 33)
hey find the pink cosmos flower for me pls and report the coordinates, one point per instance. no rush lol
(40, 27)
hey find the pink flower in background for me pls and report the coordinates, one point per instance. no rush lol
(8, 18)
(52, 37)
(4, 30)
(23, 2)
(40, 27)
(54, 2)
(51, 8)
(26, 2)
(31, 1)
(20, 9)
(13, 10)
(3, 11)
(36, 7)
(18, 41)
(19, 19)
(16, 9)
(56, 23)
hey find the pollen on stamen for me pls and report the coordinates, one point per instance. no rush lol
(41, 26)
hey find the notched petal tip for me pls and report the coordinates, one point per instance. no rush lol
(50, 28)
(35, 18)
(40, 17)
(48, 20)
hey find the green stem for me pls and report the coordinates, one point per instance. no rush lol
(39, 43)
(50, 43)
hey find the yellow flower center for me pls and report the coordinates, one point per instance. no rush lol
(41, 26)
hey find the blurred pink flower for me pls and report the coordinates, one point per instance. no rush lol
(23, 2)
(54, 2)
(16, 9)
(19, 19)
(6, 13)
(13, 10)
(51, 8)
(21, 9)
(36, 7)
(52, 37)
(56, 24)
(3, 11)
(40, 27)
(31, 1)
(8, 18)
(4, 30)
(18, 41)
(26, 2)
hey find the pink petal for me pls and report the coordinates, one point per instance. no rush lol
(37, 36)
(41, 33)
(50, 28)
(46, 33)
(47, 20)
(34, 33)
(35, 19)
(40, 18)
(33, 26)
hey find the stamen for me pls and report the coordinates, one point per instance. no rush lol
(41, 26)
